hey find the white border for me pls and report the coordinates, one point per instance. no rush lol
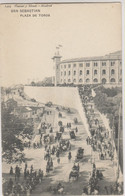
(123, 57)
(60, 1)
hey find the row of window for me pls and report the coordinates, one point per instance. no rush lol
(88, 72)
(112, 63)
(95, 80)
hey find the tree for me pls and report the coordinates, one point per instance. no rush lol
(12, 128)
(33, 83)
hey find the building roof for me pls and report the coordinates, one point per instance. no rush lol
(23, 109)
(111, 56)
(36, 108)
(18, 86)
(12, 101)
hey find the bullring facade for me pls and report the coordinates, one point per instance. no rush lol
(89, 70)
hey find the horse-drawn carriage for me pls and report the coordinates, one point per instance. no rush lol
(75, 171)
(80, 153)
(72, 135)
(76, 167)
(74, 174)
(64, 143)
(46, 138)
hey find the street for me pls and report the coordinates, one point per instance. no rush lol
(61, 170)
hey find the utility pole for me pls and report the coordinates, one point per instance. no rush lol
(119, 127)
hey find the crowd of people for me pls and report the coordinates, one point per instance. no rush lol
(93, 187)
(100, 141)
(54, 146)
(22, 184)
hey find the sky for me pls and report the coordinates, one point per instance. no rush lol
(27, 44)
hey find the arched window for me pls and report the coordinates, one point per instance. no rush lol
(95, 80)
(112, 71)
(69, 72)
(112, 80)
(74, 80)
(95, 72)
(103, 80)
(80, 72)
(74, 72)
(80, 80)
(87, 80)
(103, 72)
(69, 80)
(87, 72)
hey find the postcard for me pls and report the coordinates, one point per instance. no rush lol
(61, 99)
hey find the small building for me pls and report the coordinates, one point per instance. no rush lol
(16, 89)
(24, 112)
(29, 111)
(37, 111)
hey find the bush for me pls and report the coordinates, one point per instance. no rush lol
(33, 100)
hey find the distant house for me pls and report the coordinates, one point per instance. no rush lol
(16, 89)
(24, 112)
(29, 111)
(37, 111)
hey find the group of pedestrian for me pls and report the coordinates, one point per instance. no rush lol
(19, 185)
(93, 187)
(23, 187)
(101, 142)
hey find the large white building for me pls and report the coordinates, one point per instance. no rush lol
(89, 70)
